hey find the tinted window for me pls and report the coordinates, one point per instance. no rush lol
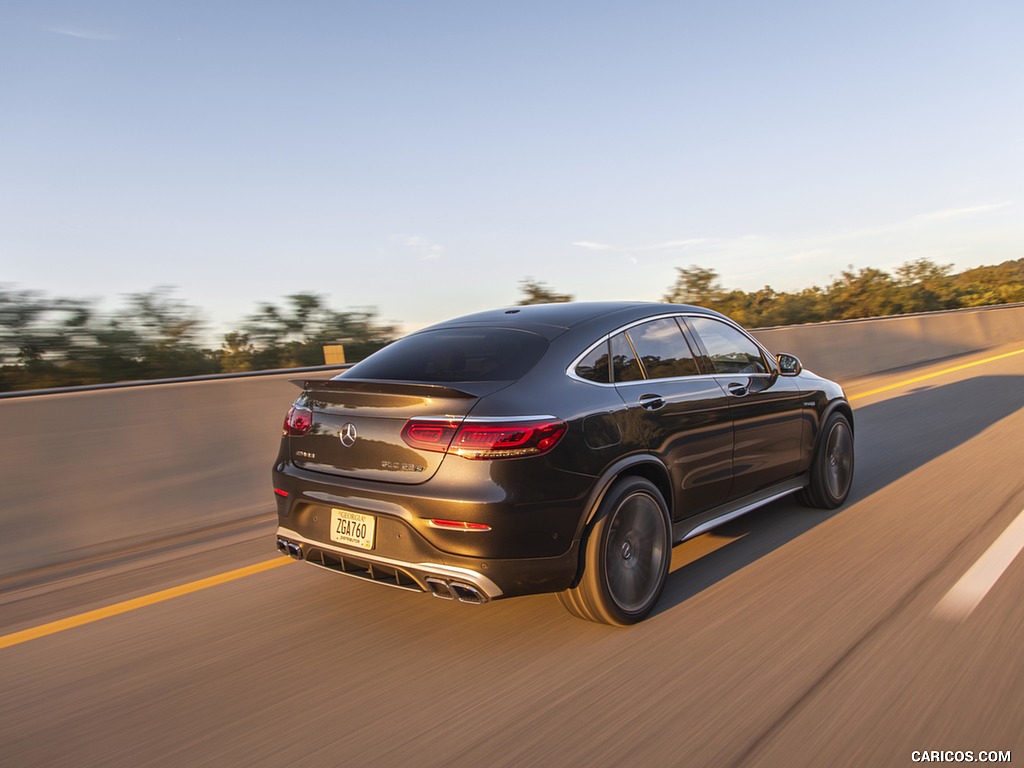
(594, 367)
(461, 354)
(624, 364)
(663, 349)
(729, 349)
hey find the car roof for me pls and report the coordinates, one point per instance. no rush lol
(551, 320)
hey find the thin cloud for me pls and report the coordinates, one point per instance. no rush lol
(914, 222)
(591, 246)
(83, 34)
(667, 245)
(952, 213)
(427, 250)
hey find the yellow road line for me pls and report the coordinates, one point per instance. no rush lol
(943, 372)
(6, 641)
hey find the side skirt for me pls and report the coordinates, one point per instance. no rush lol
(690, 527)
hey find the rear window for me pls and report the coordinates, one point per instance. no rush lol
(461, 354)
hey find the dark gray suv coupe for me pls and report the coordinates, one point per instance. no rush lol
(552, 448)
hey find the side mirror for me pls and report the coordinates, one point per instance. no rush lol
(789, 365)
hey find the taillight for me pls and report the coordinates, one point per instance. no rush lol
(298, 422)
(429, 435)
(484, 440)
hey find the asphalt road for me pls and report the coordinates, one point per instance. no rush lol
(790, 637)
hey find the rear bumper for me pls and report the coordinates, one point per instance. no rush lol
(468, 580)
(440, 579)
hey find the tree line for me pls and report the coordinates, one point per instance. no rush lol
(917, 286)
(59, 342)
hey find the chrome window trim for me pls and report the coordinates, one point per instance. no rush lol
(570, 371)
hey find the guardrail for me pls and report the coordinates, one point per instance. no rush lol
(93, 470)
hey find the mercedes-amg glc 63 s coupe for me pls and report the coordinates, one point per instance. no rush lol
(552, 448)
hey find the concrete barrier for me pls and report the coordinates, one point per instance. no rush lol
(852, 348)
(93, 472)
(88, 473)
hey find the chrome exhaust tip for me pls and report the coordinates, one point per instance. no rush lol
(467, 593)
(455, 590)
(439, 588)
(289, 548)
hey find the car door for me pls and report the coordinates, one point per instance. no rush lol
(685, 417)
(767, 409)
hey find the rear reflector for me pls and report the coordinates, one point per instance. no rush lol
(484, 440)
(457, 525)
(280, 492)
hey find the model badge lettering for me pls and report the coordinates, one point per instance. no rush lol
(398, 466)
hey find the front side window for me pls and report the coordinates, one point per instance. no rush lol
(729, 350)
(662, 349)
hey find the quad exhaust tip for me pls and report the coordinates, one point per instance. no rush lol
(439, 587)
(455, 590)
(289, 548)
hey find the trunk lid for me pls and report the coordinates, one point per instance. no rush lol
(357, 427)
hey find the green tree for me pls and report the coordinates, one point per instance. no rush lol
(924, 286)
(868, 292)
(695, 285)
(990, 285)
(295, 333)
(536, 292)
(237, 353)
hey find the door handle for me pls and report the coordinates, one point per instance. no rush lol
(652, 402)
(736, 389)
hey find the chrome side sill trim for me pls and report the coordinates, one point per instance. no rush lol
(693, 527)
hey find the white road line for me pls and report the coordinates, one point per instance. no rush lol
(975, 584)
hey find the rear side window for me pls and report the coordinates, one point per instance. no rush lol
(663, 349)
(458, 354)
(594, 367)
(730, 350)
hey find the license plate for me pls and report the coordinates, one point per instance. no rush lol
(352, 528)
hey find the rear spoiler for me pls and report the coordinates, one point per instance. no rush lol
(409, 389)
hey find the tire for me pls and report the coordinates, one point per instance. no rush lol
(626, 556)
(831, 472)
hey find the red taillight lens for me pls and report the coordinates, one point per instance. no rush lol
(429, 435)
(484, 440)
(298, 422)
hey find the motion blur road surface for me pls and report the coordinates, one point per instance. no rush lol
(788, 637)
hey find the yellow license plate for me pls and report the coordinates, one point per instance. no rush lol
(352, 528)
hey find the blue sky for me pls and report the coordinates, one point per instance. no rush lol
(424, 157)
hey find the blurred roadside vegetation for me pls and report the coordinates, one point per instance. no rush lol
(60, 342)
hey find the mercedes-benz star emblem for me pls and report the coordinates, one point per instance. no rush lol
(348, 434)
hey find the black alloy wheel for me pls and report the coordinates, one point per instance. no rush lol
(627, 556)
(831, 472)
